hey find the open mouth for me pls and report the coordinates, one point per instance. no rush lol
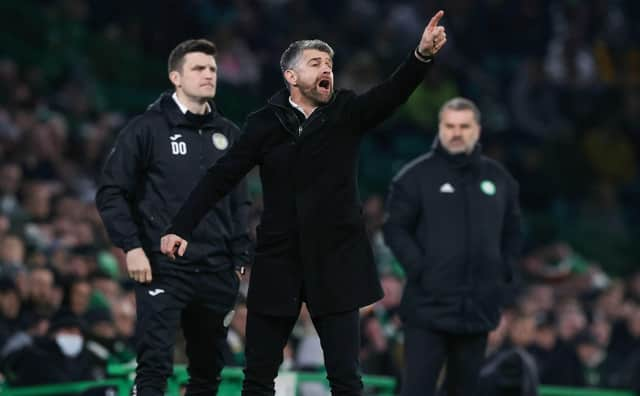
(324, 85)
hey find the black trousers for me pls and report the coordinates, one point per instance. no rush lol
(267, 335)
(197, 302)
(425, 354)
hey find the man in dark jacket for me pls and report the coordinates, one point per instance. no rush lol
(453, 222)
(157, 160)
(312, 245)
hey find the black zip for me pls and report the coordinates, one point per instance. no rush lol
(467, 259)
(300, 127)
(286, 124)
(467, 232)
(315, 115)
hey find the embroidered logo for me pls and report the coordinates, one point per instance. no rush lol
(447, 188)
(177, 148)
(220, 141)
(488, 187)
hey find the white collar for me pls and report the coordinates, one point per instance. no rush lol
(296, 106)
(184, 109)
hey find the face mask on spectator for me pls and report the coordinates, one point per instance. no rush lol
(70, 344)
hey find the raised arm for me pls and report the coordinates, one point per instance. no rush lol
(377, 104)
(240, 243)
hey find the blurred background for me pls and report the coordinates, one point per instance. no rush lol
(558, 85)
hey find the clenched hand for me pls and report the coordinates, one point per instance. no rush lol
(171, 244)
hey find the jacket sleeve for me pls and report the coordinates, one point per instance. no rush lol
(220, 180)
(377, 104)
(511, 233)
(402, 213)
(239, 241)
(120, 175)
(240, 244)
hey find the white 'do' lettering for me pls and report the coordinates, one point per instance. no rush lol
(178, 148)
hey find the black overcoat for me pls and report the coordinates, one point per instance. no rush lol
(311, 243)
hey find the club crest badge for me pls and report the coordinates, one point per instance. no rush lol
(488, 187)
(220, 141)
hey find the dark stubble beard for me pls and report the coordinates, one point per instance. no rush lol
(315, 97)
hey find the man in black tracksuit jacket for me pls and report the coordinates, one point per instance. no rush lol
(312, 245)
(453, 222)
(156, 161)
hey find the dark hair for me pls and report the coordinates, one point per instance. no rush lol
(176, 57)
(293, 53)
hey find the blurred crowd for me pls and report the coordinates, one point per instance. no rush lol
(558, 84)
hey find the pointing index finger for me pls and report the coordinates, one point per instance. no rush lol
(435, 19)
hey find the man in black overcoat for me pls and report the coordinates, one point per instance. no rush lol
(311, 244)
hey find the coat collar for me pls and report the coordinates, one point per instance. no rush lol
(170, 110)
(280, 99)
(299, 130)
(461, 160)
(184, 108)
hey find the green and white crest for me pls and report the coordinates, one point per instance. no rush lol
(488, 187)
(220, 141)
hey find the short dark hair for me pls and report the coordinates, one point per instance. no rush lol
(292, 54)
(176, 57)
